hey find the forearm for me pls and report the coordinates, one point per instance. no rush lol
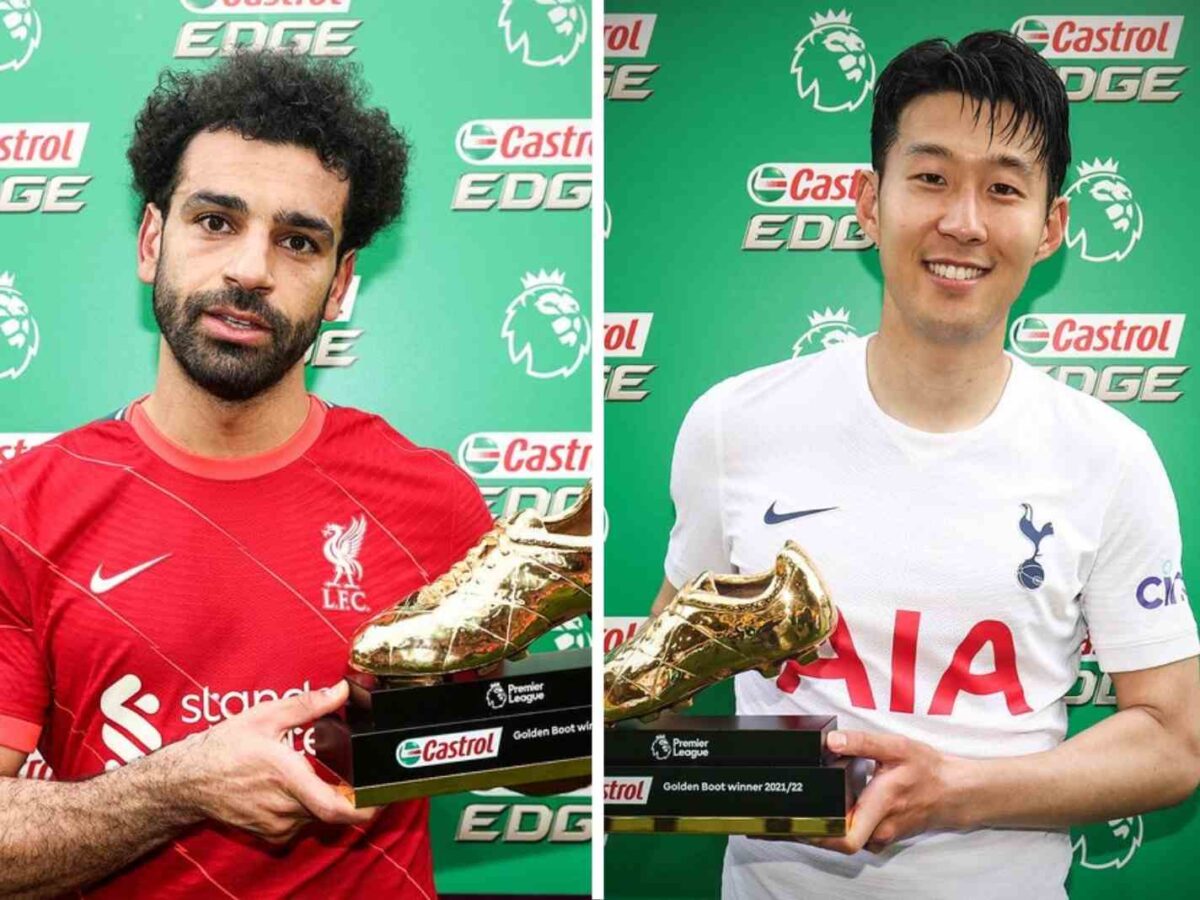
(55, 836)
(1127, 764)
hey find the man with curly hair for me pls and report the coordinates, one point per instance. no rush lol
(168, 576)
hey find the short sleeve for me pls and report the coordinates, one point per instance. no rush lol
(1134, 600)
(24, 689)
(698, 540)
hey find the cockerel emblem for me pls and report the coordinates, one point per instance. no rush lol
(342, 545)
(1030, 573)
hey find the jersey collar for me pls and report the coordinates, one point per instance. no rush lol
(235, 468)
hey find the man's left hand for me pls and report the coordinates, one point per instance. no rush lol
(909, 794)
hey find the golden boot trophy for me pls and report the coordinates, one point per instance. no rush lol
(445, 697)
(761, 775)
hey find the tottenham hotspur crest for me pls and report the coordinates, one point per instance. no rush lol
(547, 32)
(342, 546)
(545, 328)
(1105, 221)
(832, 65)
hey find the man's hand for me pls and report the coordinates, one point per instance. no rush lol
(244, 772)
(909, 794)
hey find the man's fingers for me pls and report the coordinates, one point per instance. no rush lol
(303, 708)
(885, 748)
(321, 799)
(871, 809)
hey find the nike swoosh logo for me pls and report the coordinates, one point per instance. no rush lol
(102, 585)
(773, 518)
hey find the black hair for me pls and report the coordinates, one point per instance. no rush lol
(990, 67)
(281, 98)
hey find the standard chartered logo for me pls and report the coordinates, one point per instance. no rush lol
(20, 33)
(126, 730)
(546, 32)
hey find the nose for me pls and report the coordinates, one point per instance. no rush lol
(249, 263)
(963, 219)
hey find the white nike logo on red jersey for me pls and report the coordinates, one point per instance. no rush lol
(102, 585)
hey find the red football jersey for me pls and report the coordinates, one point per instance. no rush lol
(147, 593)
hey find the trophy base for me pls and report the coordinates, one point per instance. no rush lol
(752, 775)
(800, 826)
(513, 776)
(526, 722)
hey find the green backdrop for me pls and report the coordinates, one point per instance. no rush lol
(732, 244)
(494, 95)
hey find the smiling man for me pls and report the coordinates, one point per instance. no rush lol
(972, 518)
(178, 582)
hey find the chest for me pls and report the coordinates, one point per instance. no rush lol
(958, 538)
(221, 598)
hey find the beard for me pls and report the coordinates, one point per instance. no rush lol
(228, 371)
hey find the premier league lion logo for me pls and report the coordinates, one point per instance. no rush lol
(495, 696)
(661, 747)
(1105, 220)
(547, 32)
(20, 33)
(826, 329)
(832, 64)
(545, 328)
(18, 331)
(1108, 845)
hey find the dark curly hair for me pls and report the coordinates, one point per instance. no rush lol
(990, 67)
(280, 98)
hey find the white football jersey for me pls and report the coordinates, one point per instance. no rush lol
(967, 569)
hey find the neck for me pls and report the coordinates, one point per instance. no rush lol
(935, 387)
(209, 426)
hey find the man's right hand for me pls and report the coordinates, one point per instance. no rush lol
(244, 771)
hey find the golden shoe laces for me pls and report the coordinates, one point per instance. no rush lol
(462, 569)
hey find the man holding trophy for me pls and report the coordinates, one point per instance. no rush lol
(972, 520)
(199, 568)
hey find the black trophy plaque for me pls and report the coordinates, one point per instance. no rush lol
(758, 775)
(529, 721)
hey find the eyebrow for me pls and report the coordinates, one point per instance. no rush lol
(293, 218)
(208, 198)
(303, 220)
(1004, 160)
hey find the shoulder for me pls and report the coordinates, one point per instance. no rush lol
(756, 392)
(40, 456)
(373, 442)
(1089, 425)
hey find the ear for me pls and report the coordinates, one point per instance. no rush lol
(149, 245)
(1053, 230)
(866, 203)
(341, 283)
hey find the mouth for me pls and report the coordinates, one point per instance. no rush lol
(235, 326)
(954, 273)
(236, 318)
